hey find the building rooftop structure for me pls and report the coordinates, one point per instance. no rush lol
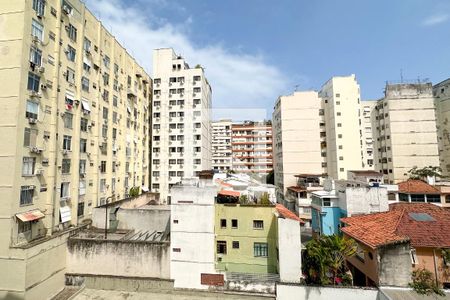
(416, 186)
(423, 224)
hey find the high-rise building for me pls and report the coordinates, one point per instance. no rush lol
(342, 108)
(441, 93)
(181, 118)
(75, 109)
(252, 147)
(221, 145)
(405, 133)
(367, 134)
(299, 139)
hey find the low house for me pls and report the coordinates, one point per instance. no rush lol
(392, 244)
(415, 190)
(343, 198)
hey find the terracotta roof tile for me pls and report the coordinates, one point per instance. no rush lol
(398, 225)
(297, 189)
(286, 213)
(414, 186)
(229, 193)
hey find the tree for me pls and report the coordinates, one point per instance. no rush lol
(265, 199)
(424, 284)
(243, 199)
(423, 173)
(134, 191)
(324, 260)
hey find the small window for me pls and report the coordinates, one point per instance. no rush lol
(258, 224)
(80, 209)
(234, 223)
(414, 259)
(235, 244)
(260, 250)
(223, 223)
(221, 247)
(26, 194)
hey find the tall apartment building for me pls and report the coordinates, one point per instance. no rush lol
(221, 145)
(441, 93)
(367, 151)
(342, 109)
(405, 133)
(74, 111)
(252, 147)
(181, 130)
(298, 139)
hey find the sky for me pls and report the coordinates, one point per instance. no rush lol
(254, 51)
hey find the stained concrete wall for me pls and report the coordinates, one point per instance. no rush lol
(292, 291)
(394, 268)
(289, 249)
(118, 258)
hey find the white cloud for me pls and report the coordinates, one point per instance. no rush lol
(435, 19)
(237, 79)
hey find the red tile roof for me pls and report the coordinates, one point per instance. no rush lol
(229, 193)
(397, 225)
(297, 189)
(415, 186)
(366, 172)
(286, 213)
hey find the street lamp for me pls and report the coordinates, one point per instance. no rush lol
(106, 215)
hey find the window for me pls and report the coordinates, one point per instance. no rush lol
(87, 45)
(37, 30)
(106, 61)
(28, 166)
(258, 224)
(221, 247)
(32, 110)
(197, 78)
(341, 158)
(26, 194)
(85, 84)
(80, 209)
(30, 136)
(105, 78)
(155, 186)
(39, 7)
(234, 223)
(339, 124)
(434, 198)
(24, 227)
(67, 142)
(70, 75)
(414, 259)
(260, 250)
(68, 120)
(197, 90)
(82, 167)
(65, 168)
(65, 190)
(103, 185)
(103, 166)
(33, 82)
(84, 124)
(82, 188)
(326, 202)
(71, 32)
(235, 244)
(104, 131)
(339, 136)
(417, 198)
(71, 53)
(360, 253)
(115, 101)
(105, 113)
(223, 223)
(35, 56)
(83, 145)
(113, 185)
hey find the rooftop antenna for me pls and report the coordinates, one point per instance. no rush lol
(296, 87)
(401, 75)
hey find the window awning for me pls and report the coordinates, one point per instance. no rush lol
(70, 95)
(86, 61)
(85, 105)
(65, 214)
(29, 216)
(129, 109)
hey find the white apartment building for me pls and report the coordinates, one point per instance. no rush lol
(441, 93)
(367, 151)
(405, 132)
(342, 108)
(181, 129)
(298, 139)
(221, 145)
(75, 109)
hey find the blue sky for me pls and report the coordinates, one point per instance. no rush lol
(255, 50)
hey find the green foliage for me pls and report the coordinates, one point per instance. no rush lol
(198, 66)
(134, 191)
(265, 199)
(423, 173)
(324, 260)
(424, 284)
(243, 199)
(446, 256)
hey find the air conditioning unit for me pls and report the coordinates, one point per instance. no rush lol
(35, 150)
(36, 39)
(41, 70)
(43, 87)
(65, 152)
(67, 9)
(35, 94)
(39, 172)
(32, 121)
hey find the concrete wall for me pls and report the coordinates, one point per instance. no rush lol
(290, 291)
(395, 265)
(362, 200)
(289, 249)
(118, 258)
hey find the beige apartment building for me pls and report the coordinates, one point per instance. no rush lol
(181, 129)
(75, 109)
(299, 139)
(405, 132)
(251, 144)
(221, 146)
(441, 93)
(367, 151)
(342, 111)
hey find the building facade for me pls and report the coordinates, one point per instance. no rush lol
(441, 93)
(405, 132)
(221, 146)
(298, 139)
(252, 147)
(342, 111)
(181, 129)
(367, 151)
(75, 109)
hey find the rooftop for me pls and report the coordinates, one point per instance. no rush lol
(415, 186)
(286, 213)
(366, 173)
(423, 224)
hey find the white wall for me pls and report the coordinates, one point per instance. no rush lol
(289, 247)
(289, 292)
(362, 200)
